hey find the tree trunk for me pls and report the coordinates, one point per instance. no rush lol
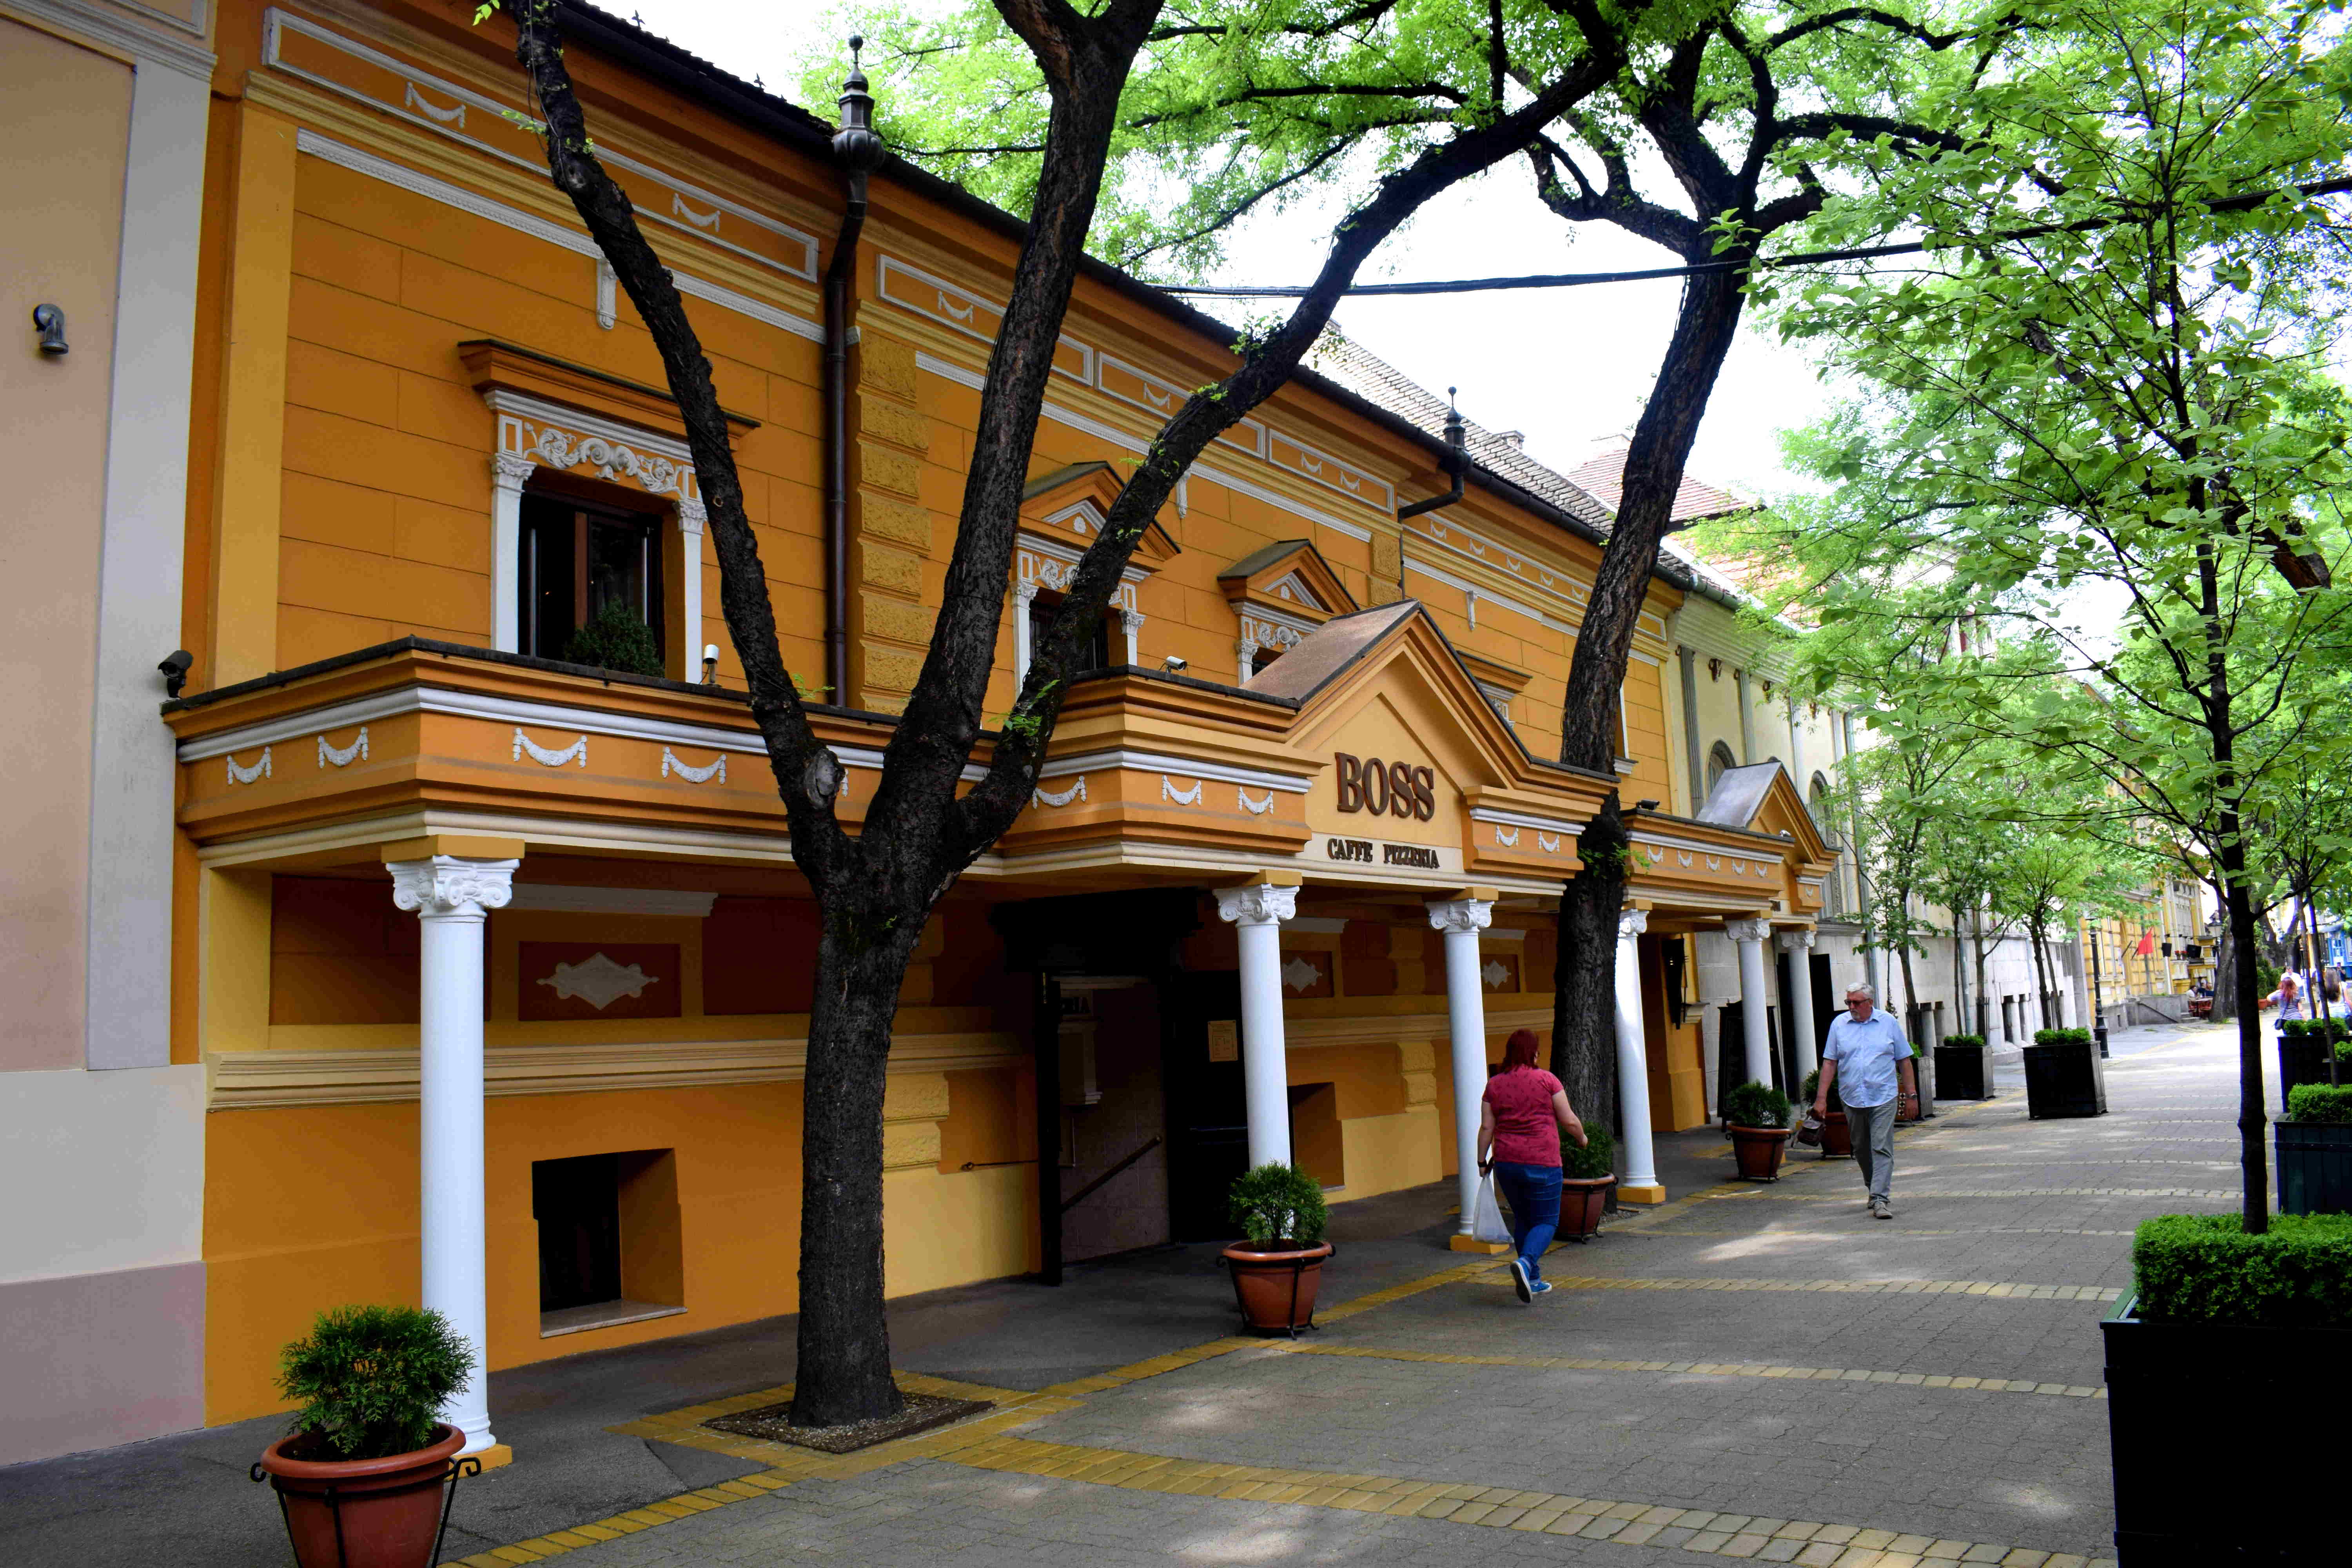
(1910, 990)
(1584, 1024)
(2225, 967)
(844, 1341)
(1583, 1009)
(2253, 1122)
(1983, 1029)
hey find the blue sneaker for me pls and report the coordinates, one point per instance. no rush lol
(1520, 1282)
(1541, 1287)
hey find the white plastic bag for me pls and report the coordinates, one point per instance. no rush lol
(1486, 1219)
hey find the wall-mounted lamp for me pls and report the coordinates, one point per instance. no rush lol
(176, 667)
(50, 320)
(710, 664)
(1714, 669)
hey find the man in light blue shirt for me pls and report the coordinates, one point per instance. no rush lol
(1863, 1058)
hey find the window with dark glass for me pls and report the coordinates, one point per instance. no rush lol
(1097, 653)
(580, 560)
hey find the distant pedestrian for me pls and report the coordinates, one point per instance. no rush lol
(1865, 1059)
(2289, 998)
(1520, 1123)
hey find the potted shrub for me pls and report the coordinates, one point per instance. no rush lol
(1837, 1135)
(1963, 1068)
(2302, 1047)
(2315, 1150)
(1756, 1115)
(2224, 1333)
(1587, 1176)
(2062, 1076)
(360, 1479)
(1278, 1268)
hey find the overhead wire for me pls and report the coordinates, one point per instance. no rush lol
(2337, 186)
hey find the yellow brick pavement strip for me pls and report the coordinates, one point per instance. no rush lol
(1709, 1369)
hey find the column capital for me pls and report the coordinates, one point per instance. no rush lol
(1755, 929)
(510, 471)
(445, 886)
(692, 515)
(1797, 940)
(1130, 621)
(1259, 904)
(1631, 922)
(1460, 914)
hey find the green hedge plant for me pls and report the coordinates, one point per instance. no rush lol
(370, 1381)
(1756, 1105)
(1973, 1040)
(1278, 1203)
(2319, 1102)
(2062, 1036)
(2204, 1268)
(616, 637)
(1598, 1158)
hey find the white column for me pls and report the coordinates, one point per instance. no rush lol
(1131, 622)
(1257, 913)
(509, 474)
(452, 898)
(1797, 775)
(1747, 718)
(1024, 594)
(1750, 935)
(1637, 1163)
(1798, 946)
(691, 518)
(1465, 1016)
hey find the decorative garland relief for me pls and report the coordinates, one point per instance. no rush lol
(575, 752)
(259, 770)
(344, 756)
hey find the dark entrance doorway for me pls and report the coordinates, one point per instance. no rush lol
(1208, 1120)
(1106, 1001)
(1825, 1002)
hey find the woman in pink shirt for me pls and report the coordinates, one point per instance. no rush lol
(1520, 1124)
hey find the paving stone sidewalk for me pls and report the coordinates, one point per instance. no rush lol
(1762, 1374)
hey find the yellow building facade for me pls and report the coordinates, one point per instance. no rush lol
(427, 446)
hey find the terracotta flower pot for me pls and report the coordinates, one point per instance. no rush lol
(1837, 1137)
(1582, 1200)
(1759, 1151)
(1275, 1283)
(364, 1513)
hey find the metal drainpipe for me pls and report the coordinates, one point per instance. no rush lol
(1860, 872)
(857, 149)
(1455, 464)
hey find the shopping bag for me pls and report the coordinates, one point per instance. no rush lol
(1486, 1217)
(1808, 1130)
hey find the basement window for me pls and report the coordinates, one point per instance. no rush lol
(608, 1240)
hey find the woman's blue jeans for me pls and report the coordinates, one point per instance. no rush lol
(1533, 1194)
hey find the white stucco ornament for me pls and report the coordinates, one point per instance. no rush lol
(598, 981)
(1298, 975)
(1494, 974)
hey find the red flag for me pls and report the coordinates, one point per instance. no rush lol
(2146, 944)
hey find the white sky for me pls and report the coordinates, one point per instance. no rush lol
(1570, 367)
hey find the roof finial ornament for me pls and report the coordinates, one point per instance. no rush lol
(1455, 436)
(856, 145)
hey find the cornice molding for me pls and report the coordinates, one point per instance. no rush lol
(170, 41)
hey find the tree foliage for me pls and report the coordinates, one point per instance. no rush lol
(2096, 421)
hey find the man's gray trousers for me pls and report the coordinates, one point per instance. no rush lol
(1873, 1130)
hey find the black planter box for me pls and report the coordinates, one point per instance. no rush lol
(1963, 1072)
(2302, 1059)
(2315, 1166)
(2061, 1082)
(2197, 1414)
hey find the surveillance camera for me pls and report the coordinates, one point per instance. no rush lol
(175, 667)
(1173, 665)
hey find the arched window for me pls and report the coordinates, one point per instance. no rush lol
(1718, 761)
(1817, 802)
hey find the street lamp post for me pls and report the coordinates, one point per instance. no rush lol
(2098, 994)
